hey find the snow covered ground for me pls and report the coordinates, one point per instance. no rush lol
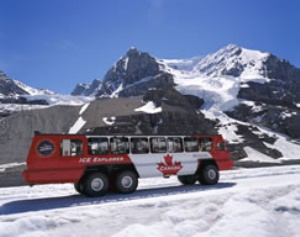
(246, 202)
(52, 100)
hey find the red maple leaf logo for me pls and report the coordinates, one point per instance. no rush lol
(169, 168)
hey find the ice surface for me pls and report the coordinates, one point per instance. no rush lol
(246, 202)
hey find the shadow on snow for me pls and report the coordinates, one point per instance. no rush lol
(42, 204)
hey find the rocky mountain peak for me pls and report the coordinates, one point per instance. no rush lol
(132, 52)
(233, 60)
(132, 70)
(230, 50)
(9, 87)
(87, 89)
(13, 88)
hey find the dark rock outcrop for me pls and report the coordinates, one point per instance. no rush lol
(9, 87)
(132, 75)
(134, 67)
(278, 118)
(22, 100)
(87, 89)
(163, 80)
(178, 116)
(277, 99)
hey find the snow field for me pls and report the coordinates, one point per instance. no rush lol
(253, 202)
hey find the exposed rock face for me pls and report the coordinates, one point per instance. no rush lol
(132, 75)
(163, 80)
(272, 93)
(278, 118)
(22, 100)
(178, 116)
(88, 89)
(283, 89)
(252, 140)
(275, 101)
(9, 87)
(284, 71)
(132, 68)
(13, 88)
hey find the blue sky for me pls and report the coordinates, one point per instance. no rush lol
(56, 44)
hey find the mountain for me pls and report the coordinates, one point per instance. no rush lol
(16, 96)
(87, 89)
(132, 75)
(248, 69)
(14, 88)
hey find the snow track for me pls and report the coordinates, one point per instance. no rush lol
(261, 202)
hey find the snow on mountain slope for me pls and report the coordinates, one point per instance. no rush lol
(58, 99)
(33, 91)
(218, 77)
(16, 96)
(182, 64)
(11, 87)
(235, 61)
(253, 202)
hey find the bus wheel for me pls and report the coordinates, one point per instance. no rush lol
(96, 184)
(187, 179)
(209, 175)
(126, 182)
(79, 187)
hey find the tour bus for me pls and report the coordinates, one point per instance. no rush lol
(98, 164)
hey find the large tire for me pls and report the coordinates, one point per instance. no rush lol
(187, 179)
(79, 187)
(126, 182)
(96, 184)
(209, 175)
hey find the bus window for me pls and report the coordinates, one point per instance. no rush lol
(98, 145)
(158, 145)
(139, 145)
(119, 145)
(71, 147)
(175, 144)
(191, 144)
(205, 143)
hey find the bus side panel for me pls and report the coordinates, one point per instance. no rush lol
(43, 153)
(166, 164)
(224, 161)
(43, 162)
(52, 176)
(222, 157)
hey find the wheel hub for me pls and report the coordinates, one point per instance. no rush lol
(127, 182)
(211, 174)
(97, 184)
